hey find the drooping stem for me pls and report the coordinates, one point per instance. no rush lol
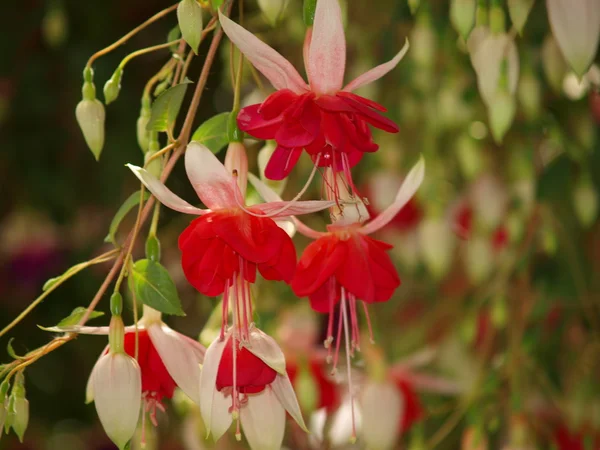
(129, 35)
(143, 51)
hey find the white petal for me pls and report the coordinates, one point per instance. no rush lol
(117, 385)
(268, 194)
(377, 72)
(382, 406)
(405, 193)
(295, 208)
(287, 225)
(163, 193)
(263, 421)
(278, 70)
(264, 347)
(283, 389)
(327, 54)
(211, 181)
(182, 357)
(89, 389)
(220, 416)
(576, 27)
(208, 381)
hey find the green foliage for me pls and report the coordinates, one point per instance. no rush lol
(213, 133)
(154, 287)
(166, 107)
(132, 201)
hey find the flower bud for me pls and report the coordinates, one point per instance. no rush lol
(519, 11)
(469, 157)
(117, 387)
(274, 10)
(116, 304)
(501, 113)
(576, 27)
(414, 5)
(143, 135)
(90, 117)
(553, 63)
(155, 164)
(585, 200)
(113, 86)
(3, 403)
(189, 16)
(437, 244)
(236, 161)
(462, 16)
(381, 407)
(497, 18)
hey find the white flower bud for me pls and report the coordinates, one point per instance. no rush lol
(274, 10)
(90, 117)
(462, 16)
(519, 11)
(381, 406)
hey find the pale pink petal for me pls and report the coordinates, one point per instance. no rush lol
(117, 386)
(211, 181)
(278, 70)
(327, 54)
(340, 430)
(377, 72)
(306, 230)
(182, 357)
(263, 421)
(86, 330)
(163, 193)
(271, 196)
(264, 347)
(285, 209)
(407, 190)
(283, 389)
(208, 382)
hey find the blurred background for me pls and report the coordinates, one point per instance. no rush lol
(499, 253)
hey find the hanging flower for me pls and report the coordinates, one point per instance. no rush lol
(322, 117)
(222, 249)
(325, 391)
(165, 358)
(576, 27)
(246, 381)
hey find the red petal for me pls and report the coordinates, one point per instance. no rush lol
(363, 100)
(301, 124)
(276, 103)
(282, 162)
(372, 117)
(283, 264)
(250, 121)
(413, 411)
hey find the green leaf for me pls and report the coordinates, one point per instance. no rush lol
(213, 132)
(128, 205)
(76, 315)
(11, 351)
(166, 107)
(189, 17)
(154, 287)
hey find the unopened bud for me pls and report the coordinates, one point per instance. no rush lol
(585, 199)
(553, 63)
(153, 249)
(274, 10)
(90, 115)
(519, 11)
(116, 304)
(113, 86)
(3, 403)
(462, 16)
(413, 5)
(153, 165)
(501, 113)
(469, 156)
(143, 135)
(497, 19)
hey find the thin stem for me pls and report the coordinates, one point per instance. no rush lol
(135, 312)
(143, 51)
(129, 35)
(160, 75)
(240, 68)
(161, 152)
(136, 228)
(70, 273)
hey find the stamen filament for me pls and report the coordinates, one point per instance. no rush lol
(348, 365)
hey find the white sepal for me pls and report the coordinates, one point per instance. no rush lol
(220, 417)
(89, 389)
(90, 116)
(117, 387)
(209, 401)
(264, 347)
(283, 389)
(263, 421)
(182, 357)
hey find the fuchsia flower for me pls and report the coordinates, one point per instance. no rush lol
(246, 379)
(222, 249)
(326, 119)
(166, 359)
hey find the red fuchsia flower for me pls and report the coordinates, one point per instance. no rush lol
(246, 381)
(566, 439)
(326, 119)
(222, 249)
(345, 265)
(166, 358)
